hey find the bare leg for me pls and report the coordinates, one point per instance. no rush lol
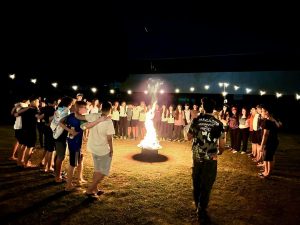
(58, 169)
(21, 154)
(70, 177)
(48, 160)
(28, 156)
(129, 132)
(43, 159)
(97, 177)
(80, 170)
(14, 150)
(254, 150)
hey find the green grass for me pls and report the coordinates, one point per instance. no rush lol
(154, 193)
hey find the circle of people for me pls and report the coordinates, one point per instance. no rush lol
(65, 123)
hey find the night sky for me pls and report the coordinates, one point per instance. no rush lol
(51, 43)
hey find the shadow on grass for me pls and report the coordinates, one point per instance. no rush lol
(13, 216)
(15, 191)
(151, 158)
(75, 209)
(21, 181)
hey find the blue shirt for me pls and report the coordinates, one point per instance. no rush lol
(75, 142)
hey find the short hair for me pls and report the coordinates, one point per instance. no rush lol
(65, 102)
(32, 98)
(106, 106)
(208, 104)
(266, 107)
(80, 103)
(79, 94)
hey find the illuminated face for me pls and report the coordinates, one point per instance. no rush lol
(195, 107)
(186, 107)
(253, 111)
(264, 113)
(224, 108)
(36, 103)
(258, 110)
(233, 110)
(244, 111)
(79, 98)
(82, 110)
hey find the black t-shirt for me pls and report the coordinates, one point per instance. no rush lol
(29, 120)
(48, 111)
(273, 130)
(206, 131)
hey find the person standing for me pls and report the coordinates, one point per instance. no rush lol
(206, 132)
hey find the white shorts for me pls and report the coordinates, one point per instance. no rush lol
(102, 163)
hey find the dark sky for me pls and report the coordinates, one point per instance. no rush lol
(120, 39)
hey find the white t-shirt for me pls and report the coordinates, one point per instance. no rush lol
(123, 111)
(94, 109)
(115, 115)
(18, 121)
(187, 115)
(97, 141)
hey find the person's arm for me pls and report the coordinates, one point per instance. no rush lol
(264, 139)
(277, 123)
(80, 117)
(190, 132)
(63, 125)
(21, 111)
(40, 116)
(14, 109)
(189, 136)
(221, 143)
(110, 143)
(89, 125)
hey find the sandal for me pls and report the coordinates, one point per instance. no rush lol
(99, 192)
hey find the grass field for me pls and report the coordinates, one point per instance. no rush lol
(141, 192)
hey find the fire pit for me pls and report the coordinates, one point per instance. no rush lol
(150, 144)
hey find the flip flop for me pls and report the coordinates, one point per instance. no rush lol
(99, 192)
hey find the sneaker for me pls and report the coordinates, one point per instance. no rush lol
(242, 152)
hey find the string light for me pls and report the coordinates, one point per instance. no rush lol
(94, 90)
(33, 80)
(248, 90)
(12, 76)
